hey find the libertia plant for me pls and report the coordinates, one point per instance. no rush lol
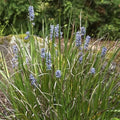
(60, 83)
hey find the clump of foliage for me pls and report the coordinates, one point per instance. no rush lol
(73, 82)
(100, 16)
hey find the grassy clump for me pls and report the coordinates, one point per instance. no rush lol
(74, 83)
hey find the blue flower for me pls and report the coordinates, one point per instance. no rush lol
(81, 58)
(78, 39)
(61, 34)
(14, 61)
(33, 24)
(51, 31)
(32, 79)
(104, 50)
(92, 70)
(33, 82)
(27, 33)
(54, 31)
(57, 30)
(31, 13)
(87, 41)
(14, 49)
(26, 37)
(48, 61)
(49, 66)
(42, 52)
(83, 31)
(58, 74)
(48, 56)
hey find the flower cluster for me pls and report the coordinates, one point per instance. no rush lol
(46, 56)
(87, 42)
(48, 61)
(54, 31)
(14, 60)
(79, 35)
(83, 31)
(57, 28)
(14, 49)
(32, 79)
(28, 35)
(31, 13)
(51, 31)
(85, 47)
(104, 50)
(92, 70)
(81, 58)
(58, 74)
(78, 39)
(42, 52)
(33, 24)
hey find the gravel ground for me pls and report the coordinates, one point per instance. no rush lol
(3, 99)
(3, 110)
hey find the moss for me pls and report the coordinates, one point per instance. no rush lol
(20, 36)
(1, 41)
(5, 38)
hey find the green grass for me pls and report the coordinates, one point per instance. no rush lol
(76, 95)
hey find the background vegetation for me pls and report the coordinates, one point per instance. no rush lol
(101, 17)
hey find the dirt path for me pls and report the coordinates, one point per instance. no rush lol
(4, 102)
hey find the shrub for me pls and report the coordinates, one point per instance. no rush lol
(100, 17)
